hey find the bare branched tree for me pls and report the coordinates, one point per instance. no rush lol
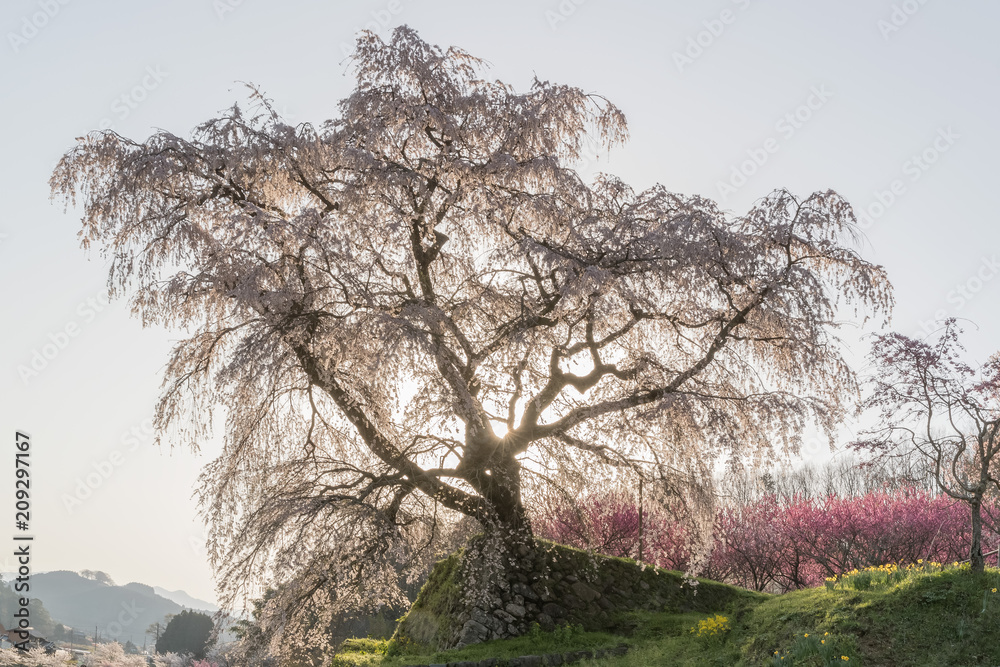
(418, 310)
(932, 402)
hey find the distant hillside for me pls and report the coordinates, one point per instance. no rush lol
(120, 612)
(41, 620)
(183, 599)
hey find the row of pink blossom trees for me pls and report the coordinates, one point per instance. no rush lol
(775, 542)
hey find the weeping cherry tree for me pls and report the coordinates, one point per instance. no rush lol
(419, 311)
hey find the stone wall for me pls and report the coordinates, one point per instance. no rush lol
(551, 585)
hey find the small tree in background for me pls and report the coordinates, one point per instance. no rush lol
(188, 632)
(753, 549)
(931, 401)
(98, 576)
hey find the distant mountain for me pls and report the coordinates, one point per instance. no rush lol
(185, 600)
(142, 588)
(117, 612)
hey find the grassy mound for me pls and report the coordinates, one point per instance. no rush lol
(584, 589)
(431, 616)
(928, 616)
(931, 617)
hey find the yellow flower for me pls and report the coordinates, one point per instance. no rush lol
(826, 634)
(844, 658)
(822, 641)
(710, 627)
(806, 634)
(994, 590)
(919, 561)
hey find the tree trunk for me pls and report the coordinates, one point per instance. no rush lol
(502, 489)
(976, 552)
(500, 564)
(513, 527)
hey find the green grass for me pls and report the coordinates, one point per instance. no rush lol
(387, 653)
(428, 620)
(927, 618)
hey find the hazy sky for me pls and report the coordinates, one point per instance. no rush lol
(893, 104)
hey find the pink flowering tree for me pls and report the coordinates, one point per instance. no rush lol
(401, 306)
(841, 534)
(770, 542)
(754, 549)
(927, 399)
(613, 522)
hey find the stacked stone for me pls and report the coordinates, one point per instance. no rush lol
(557, 591)
(550, 585)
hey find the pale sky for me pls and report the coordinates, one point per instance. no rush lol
(893, 103)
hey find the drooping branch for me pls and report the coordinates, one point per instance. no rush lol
(418, 311)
